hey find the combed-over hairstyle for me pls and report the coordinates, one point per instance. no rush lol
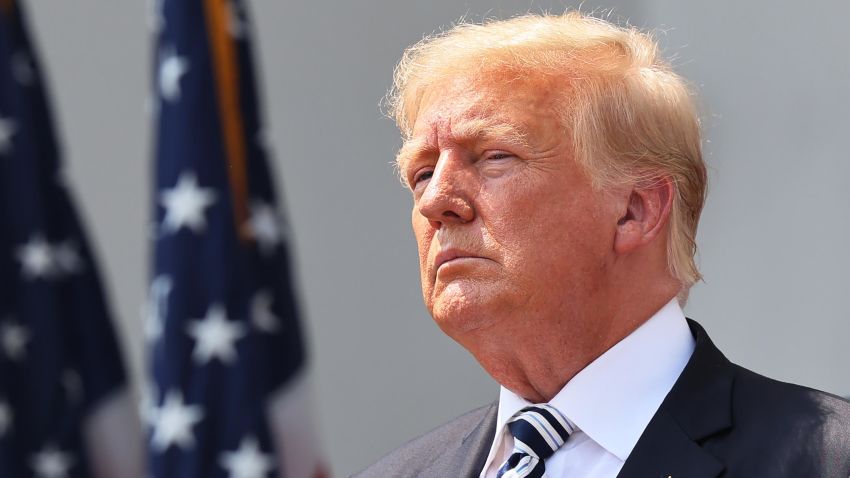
(629, 117)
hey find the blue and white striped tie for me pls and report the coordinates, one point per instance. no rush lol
(538, 431)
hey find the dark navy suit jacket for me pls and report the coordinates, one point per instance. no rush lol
(719, 420)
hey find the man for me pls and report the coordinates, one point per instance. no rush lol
(557, 180)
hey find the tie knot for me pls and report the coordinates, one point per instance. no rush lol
(539, 430)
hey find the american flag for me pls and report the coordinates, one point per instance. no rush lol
(59, 360)
(222, 324)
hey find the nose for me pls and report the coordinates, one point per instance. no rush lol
(448, 196)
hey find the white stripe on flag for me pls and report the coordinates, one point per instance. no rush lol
(293, 426)
(113, 438)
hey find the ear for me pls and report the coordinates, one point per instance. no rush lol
(647, 212)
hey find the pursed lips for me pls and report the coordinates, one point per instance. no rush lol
(450, 254)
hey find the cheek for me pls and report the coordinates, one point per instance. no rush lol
(523, 218)
(423, 234)
(579, 247)
(550, 236)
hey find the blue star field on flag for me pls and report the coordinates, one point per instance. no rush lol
(58, 353)
(221, 318)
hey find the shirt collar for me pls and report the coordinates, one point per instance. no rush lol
(614, 397)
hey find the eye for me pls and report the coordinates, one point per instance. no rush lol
(497, 155)
(422, 175)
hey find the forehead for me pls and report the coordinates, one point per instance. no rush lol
(520, 111)
(495, 99)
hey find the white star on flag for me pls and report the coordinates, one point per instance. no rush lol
(13, 339)
(173, 422)
(265, 227)
(171, 69)
(215, 336)
(185, 204)
(156, 309)
(5, 417)
(8, 128)
(22, 68)
(51, 463)
(246, 462)
(36, 258)
(261, 312)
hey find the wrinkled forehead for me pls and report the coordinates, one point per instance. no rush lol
(512, 109)
(484, 93)
(449, 100)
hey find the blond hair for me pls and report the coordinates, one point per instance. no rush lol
(629, 117)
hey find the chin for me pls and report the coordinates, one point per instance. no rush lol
(459, 312)
(462, 305)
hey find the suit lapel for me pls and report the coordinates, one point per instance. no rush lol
(697, 407)
(664, 451)
(467, 460)
(476, 445)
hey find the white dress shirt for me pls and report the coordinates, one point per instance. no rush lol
(610, 402)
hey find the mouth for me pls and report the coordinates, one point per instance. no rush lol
(452, 255)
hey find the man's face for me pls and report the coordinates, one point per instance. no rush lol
(509, 230)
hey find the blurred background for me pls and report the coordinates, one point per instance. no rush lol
(772, 78)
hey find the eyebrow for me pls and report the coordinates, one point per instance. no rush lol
(503, 131)
(480, 129)
(410, 149)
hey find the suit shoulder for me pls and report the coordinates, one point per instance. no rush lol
(806, 429)
(417, 454)
(766, 396)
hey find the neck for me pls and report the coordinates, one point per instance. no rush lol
(535, 360)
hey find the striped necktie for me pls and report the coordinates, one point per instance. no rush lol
(538, 431)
